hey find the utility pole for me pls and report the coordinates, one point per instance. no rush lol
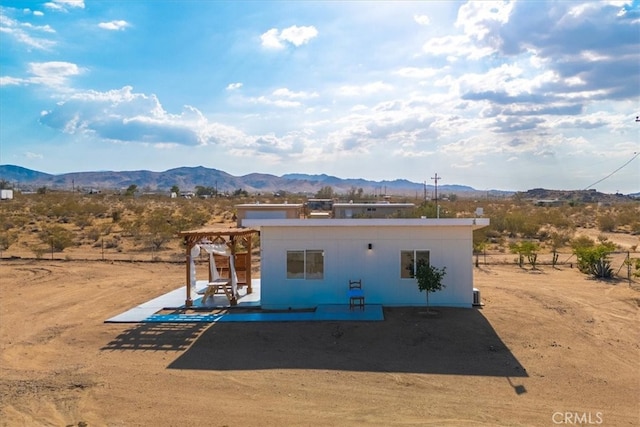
(436, 179)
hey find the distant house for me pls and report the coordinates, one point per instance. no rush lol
(321, 205)
(370, 210)
(307, 262)
(549, 202)
(268, 211)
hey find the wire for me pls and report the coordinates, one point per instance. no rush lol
(600, 180)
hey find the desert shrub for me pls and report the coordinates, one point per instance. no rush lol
(582, 241)
(635, 267)
(38, 251)
(559, 239)
(116, 215)
(628, 216)
(606, 223)
(94, 234)
(58, 237)
(159, 227)
(7, 239)
(83, 220)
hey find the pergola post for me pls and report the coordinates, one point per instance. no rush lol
(232, 245)
(248, 242)
(188, 301)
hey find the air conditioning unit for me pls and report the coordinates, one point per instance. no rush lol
(477, 301)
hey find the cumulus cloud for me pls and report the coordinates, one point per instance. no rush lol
(114, 25)
(125, 116)
(297, 36)
(53, 73)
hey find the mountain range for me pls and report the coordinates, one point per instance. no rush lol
(187, 178)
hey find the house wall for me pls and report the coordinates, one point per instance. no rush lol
(267, 211)
(347, 257)
(369, 210)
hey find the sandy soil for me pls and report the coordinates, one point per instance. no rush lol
(547, 345)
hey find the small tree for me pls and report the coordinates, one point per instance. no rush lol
(429, 278)
(528, 249)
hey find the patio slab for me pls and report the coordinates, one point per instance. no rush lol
(247, 310)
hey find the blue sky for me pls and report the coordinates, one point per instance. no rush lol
(495, 95)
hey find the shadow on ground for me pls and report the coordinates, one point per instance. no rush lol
(456, 342)
(157, 336)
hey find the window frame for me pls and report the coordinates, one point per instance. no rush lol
(414, 256)
(311, 268)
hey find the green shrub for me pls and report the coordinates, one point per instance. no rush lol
(593, 260)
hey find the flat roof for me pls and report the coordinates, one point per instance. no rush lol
(476, 223)
(374, 205)
(269, 205)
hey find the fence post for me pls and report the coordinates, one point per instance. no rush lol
(629, 267)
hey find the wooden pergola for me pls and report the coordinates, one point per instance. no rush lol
(229, 236)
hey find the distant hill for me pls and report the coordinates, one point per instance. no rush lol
(585, 196)
(187, 178)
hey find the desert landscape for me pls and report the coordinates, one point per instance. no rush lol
(550, 346)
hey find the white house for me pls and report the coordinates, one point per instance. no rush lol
(307, 262)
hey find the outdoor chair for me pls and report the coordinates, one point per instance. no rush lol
(356, 294)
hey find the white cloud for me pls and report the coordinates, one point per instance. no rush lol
(114, 25)
(479, 18)
(422, 19)
(418, 73)
(263, 100)
(297, 36)
(38, 13)
(125, 116)
(271, 40)
(30, 155)
(12, 81)
(53, 73)
(366, 89)
(43, 28)
(64, 5)
(234, 86)
(21, 32)
(286, 93)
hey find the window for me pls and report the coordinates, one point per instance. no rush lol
(409, 261)
(307, 264)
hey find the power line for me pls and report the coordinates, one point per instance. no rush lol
(635, 154)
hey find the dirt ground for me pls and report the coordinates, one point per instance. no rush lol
(547, 345)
